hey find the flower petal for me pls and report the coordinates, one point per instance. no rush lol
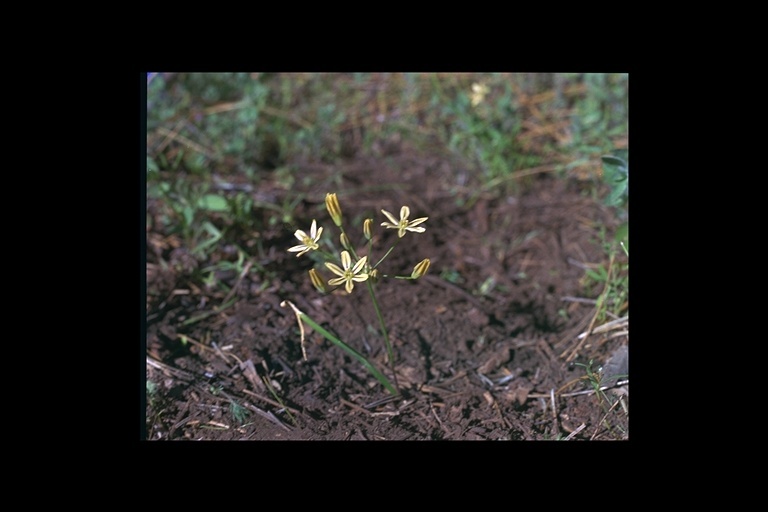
(334, 268)
(303, 249)
(416, 230)
(336, 281)
(359, 265)
(391, 218)
(404, 212)
(418, 221)
(320, 232)
(349, 286)
(360, 277)
(300, 235)
(346, 261)
(313, 229)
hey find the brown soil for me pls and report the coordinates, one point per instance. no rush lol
(490, 356)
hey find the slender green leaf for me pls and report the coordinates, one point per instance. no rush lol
(213, 203)
(354, 353)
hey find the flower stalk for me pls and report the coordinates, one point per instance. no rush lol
(356, 269)
(384, 332)
(303, 317)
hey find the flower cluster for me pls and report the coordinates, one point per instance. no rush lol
(355, 269)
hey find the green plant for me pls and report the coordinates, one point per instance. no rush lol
(616, 174)
(614, 279)
(272, 391)
(239, 413)
(595, 379)
(356, 269)
(151, 387)
(186, 208)
(481, 124)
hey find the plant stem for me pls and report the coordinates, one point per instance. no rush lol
(354, 353)
(387, 253)
(383, 331)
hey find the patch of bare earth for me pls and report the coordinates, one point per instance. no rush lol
(489, 356)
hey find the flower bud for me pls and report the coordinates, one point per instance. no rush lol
(332, 204)
(367, 228)
(317, 281)
(344, 241)
(373, 275)
(420, 269)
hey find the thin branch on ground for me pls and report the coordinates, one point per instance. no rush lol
(613, 406)
(271, 402)
(173, 135)
(581, 300)
(613, 324)
(618, 384)
(554, 411)
(575, 351)
(573, 434)
(175, 372)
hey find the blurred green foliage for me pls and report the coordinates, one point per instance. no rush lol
(210, 136)
(265, 120)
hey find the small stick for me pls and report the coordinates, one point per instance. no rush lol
(301, 324)
(439, 421)
(618, 383)
(383, 401)
(268, 415)
(572, 434)
(354, 406)
(554, 409)
(568, 298)
(174, 135)
(613, 324)
(271, 402)
(603, 419)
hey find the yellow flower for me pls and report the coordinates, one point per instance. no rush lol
(403, 224)
(332, 204)
(478, 93)
(347, 275)
(317, 280)
(308, 242)
(420, 269)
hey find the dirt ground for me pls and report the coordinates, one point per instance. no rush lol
(493, 353)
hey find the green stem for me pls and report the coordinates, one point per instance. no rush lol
(387, 254)
(354, 353)
(383, 331)
(326, 255)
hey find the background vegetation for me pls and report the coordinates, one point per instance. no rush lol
(212, 136)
